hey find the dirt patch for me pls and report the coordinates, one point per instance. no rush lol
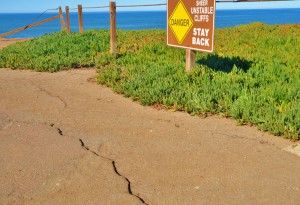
(6, 41)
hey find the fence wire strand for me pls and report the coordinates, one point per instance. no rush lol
(141, 5)
(95, 7)
(91, 7)
(121, 6)
(33, 20)
(52, 9)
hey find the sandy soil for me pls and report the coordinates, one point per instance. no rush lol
(67, 140)
(6, 42)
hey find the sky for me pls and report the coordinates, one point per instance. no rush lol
(13, 6)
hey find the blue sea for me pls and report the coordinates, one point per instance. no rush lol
(135, 20)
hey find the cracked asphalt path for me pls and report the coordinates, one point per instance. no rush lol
(66, 140)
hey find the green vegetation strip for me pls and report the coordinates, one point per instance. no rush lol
(253, 76)
(55, 52)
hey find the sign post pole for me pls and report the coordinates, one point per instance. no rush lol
(190, 59)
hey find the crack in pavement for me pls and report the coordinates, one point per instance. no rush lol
(50, 94)
(129, 189)
(58, 129)
(88, 149)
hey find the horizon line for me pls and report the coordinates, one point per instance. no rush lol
(24, 12)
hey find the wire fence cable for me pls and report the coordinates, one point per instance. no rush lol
(34, 19)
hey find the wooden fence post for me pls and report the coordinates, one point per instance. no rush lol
(113, 28)
(190, 59)
(62, 21)
(81, 29)
(68, 19)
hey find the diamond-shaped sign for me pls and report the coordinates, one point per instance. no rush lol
(180, 22)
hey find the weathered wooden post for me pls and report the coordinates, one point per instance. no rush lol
(62, 21)
(113, 28)
(68, 19)
(81, 29)
(190, 59)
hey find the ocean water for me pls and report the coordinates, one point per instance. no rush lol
(140, 20)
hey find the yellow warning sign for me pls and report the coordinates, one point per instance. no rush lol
(180, 22)
(191, 24)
